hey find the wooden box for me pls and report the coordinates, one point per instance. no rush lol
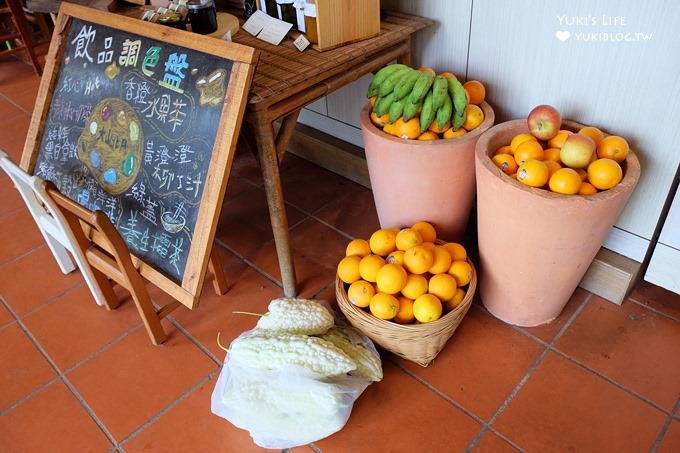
(341, 22)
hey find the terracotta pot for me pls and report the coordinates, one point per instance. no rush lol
(536, 245)
(415, 180)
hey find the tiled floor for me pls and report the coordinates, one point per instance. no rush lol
(75, 377)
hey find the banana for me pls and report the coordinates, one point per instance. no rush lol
(421, 87)
(427, 113)
(410, 109)
(382, 74)
(372, 91)
(440, 89)
(390, 82)
(459, 98)
(405, 85)
(443, 114)
(396, 109)
(382, 104)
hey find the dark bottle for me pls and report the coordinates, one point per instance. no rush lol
(202, 16)
(288, 12)
(249, 8)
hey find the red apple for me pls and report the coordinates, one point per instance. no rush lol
(544, 122)
(577, 151)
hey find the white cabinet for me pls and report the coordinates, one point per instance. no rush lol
(664, 266)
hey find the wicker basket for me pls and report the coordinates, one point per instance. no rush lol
(419, 343)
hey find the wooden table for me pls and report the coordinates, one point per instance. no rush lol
(286, 80)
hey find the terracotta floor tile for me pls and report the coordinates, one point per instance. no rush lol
(33, 279)
(548, 331)
(245, 164)
(354, 213)
(22, 89)
(491, 443)
(671, 441)
(15, 126)
(23, 369)
(658, 298)
(481, 364)
(248, 291)
(130, 382)
(244, 223)
(400, 414)
(205, 432)
(5, 316)
(633, 346)
(51, 420)
(11, 199)
(316, 252)
(563, 407)
(18, 235)
(310, 187)
(81, 325)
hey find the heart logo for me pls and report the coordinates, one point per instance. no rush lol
(562, 35)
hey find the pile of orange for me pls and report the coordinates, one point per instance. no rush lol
(537, 163)
(410, 130)
(405, 275)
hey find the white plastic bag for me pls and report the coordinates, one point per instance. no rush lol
(287, 407)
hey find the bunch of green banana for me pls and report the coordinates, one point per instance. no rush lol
(404, 92)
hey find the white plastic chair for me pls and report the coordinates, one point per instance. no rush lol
(52, 225)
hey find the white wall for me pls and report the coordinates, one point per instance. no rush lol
(629, 88)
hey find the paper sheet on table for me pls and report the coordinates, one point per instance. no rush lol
(267, 28)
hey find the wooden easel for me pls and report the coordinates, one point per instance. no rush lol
(110, 259)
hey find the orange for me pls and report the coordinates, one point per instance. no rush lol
(405, 313)
(384, 306)
(379, 121)
(391, 278)
(443, 286)
(591, 131)
(429, 245)
(427, 230)
(358, 247)
(396, 257)
(427, 308)
(552, 154)
(382, 241)
(360, 293)
(587, 189)
(462, 271)
(506, 162)
(372, 100)
(533, 173)
(582, 173)
(448, 75)
(389, 129)
(416, 285)
(457, 298)
(604, 173)
(442, 260)
(506, 149)
(369, 266)
(520, 138)
(558, 140)
(475, 90)
(566, 181)
(528, 150)
(428, 135)
(408, 130)
(552, 167)
(450, 133)
(474, 116)
(434, 127)
(407, 238)
(348, 269)
(418, 259)
(456, 250)
(613, 147)
(427, 69)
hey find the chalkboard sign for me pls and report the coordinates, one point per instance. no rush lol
(140, 121)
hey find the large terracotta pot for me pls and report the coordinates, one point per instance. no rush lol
(416, 180)
(536, 245)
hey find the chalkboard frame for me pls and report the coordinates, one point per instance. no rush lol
(243, 60)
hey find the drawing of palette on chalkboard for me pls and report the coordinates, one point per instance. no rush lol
(111, 145)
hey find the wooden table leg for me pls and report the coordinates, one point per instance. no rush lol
(269, 164)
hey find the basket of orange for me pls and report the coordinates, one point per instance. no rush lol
(405, 289)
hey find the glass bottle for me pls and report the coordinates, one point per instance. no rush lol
(287, 12)
(310, 21)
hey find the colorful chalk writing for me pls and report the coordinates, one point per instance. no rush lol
(130, 131)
